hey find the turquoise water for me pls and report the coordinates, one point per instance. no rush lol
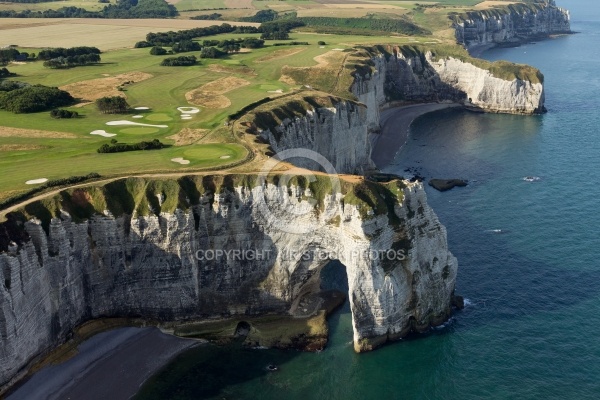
(531, 328)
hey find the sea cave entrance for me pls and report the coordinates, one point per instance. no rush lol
(326, 288)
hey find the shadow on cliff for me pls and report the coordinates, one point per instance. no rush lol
(205, 371)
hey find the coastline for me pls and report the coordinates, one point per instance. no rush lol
(395, 127)
(132, 354)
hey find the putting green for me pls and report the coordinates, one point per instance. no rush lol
(139, 130)
(211, 152)
(159, 117)
(270, 87)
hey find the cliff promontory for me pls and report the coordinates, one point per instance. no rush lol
(219, 246)
(417, 74)
(511, 24)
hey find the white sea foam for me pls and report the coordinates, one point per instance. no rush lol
(468, 303)
(531, 178)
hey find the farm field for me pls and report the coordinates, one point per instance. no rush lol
(106, 34)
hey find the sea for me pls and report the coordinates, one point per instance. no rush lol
(526, 232)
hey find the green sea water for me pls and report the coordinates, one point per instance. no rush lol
(529, 260)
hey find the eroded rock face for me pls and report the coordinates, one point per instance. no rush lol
(423, 78)
(150, 267)
(338, 133)
(514, 25)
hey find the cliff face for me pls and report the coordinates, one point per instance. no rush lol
(418, 75)
(511, 24)
(400, 272)
(333, 127)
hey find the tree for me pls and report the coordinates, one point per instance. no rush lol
(112, 105)
(158, 51)
(211, 52)
(61, 114)
(33, 98)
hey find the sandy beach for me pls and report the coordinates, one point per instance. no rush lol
(395, 126)
(110, 365)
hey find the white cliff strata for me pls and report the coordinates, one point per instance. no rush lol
(512, 24)
(338, 133)
(146, 266)
(423, 77)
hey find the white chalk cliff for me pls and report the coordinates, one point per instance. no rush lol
(511, 24)
(146, 266)
(410, 74)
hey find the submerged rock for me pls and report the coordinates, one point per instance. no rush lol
(446, 184)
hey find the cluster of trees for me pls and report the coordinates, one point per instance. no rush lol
(49, 54)
(112, 105)
(185, 46)
(158, 51)
(291, 44)
(170, 38)
(350, 25)
(5, 73)
(261, 16)
(72, 61)
(279, 30)
(211, 52)
(63, 114)
(122, 9)
(12, 54)
(7, 86)
(209, 47)
(32, 98)
(181, 61)
(207, 17)
(116, 147)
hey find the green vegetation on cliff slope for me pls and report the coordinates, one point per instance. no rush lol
(154, 196)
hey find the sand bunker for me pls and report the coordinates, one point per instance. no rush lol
(36, 181)
(103, 133)
(241, 69)
(21, 147)
(224, 157)
(188, 136)
(180, 160)
(337, 49)
(188, 110)
(122, 123)
(89, 91)
(137, 116)
(210, 95)
(275, 91)
(142, 108)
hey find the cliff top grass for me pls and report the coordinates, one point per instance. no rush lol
(276, 112)
(154, 196)
(499, 11)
